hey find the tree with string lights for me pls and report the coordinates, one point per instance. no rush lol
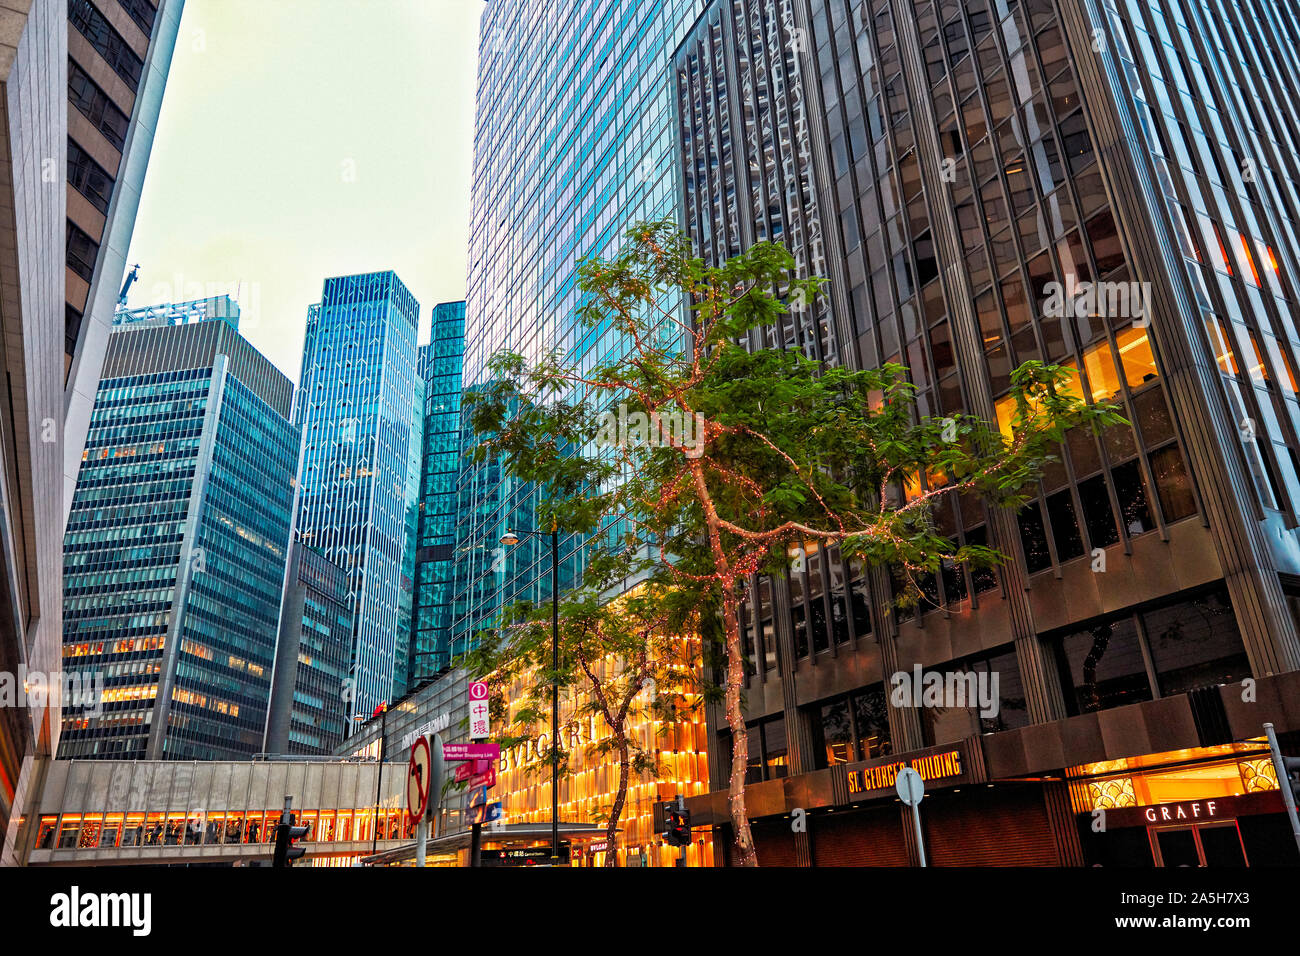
(626, 661)
(714, 463)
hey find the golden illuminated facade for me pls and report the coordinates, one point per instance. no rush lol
(588, 791)
(1227, 770)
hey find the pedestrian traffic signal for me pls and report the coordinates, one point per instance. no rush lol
(679, 828)
(285, 848)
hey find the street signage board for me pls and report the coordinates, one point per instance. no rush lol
(910, 786)
(419, 775)
(478, 796)
(479, 723)
(485, 812)
(455, 752)
(487, 778)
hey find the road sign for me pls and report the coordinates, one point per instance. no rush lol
(419, 775)
(485, 812)
(487, 778)
(479, 722)
(910, 786)
(478, 796)
(456, 752)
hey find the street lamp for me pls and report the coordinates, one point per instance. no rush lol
(379, 775)
(509, 539)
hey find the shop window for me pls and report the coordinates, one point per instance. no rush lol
(1033, 537)
(1102, 667)
(1130, 489)
(1196, 644)
(1136, 357)
(1065, 529)
(1097, 515)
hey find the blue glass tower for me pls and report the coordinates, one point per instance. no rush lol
(574, 142)
(357, 408)
(174, 556)
(440, 368)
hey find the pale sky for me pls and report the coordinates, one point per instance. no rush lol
(301, 139)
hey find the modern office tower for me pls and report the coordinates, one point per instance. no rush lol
(174, 555)
(574, 143)
(1109, 186)
(356, 407)
(33, 137)
(180, 313)
(311, 705)
(118, 56)
(440, 369)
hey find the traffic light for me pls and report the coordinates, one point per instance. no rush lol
(679, 829)
(285, 849)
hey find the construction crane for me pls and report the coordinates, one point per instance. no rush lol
(131, 277)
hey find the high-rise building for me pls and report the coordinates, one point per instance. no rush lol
(440, 369)
(118, 56)
(1109, 186)
(311, 705)
(175, 550)
(573, 143)
(33, 211)
(356, 407)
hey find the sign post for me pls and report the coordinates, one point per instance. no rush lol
(911, 789)
(419, 774)
(424, 776)
(479, 724)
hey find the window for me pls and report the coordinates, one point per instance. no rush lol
(88, 177)
(1193, 643)
(1065, 528)
(1135, 356)
(82, 252)
(1173, 484)
(1097, 514)
(96, 106)
(142, 12)
(1102, 667)
(107, 42)
(1196, 644)
(1033, 536)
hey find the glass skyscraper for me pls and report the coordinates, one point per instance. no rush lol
(174, 556)
(1109, 187)
(440, 369)
(573, 143)
(356, 407)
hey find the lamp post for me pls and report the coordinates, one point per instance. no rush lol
(509, 539)
(379, 775)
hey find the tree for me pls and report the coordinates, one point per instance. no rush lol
(722, 460)
(624, 657)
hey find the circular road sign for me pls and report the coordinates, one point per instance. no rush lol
(910, 787)
(419, 772)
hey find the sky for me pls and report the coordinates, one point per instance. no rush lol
(302, 139)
